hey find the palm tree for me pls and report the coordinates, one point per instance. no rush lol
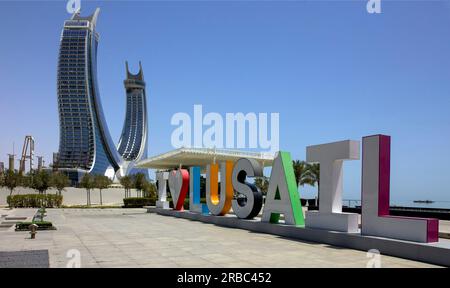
(87, 182)
(314, 174)
(302, 173)
(149, 189)
(127, 183)
(307, 173)
(262, 183)
(60, 181)
(101, 182)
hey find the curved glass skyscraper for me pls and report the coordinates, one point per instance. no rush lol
(85, 144)
(133, 140)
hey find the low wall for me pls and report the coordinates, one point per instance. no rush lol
(75, 196)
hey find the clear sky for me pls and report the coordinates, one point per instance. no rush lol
(331, 70)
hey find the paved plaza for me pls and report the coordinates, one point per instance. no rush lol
(134, 238)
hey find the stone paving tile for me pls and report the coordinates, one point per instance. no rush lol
(166, 264)
(23, 259)
(237, 264)
(218, 258)
(189, 261)
(133, 238)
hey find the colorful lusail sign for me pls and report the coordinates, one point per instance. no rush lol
(282, 198)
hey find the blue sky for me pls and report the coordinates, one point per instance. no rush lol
(331, 70)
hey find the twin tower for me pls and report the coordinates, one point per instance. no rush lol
(85, 144)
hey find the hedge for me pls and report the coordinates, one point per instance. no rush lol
(34, 200)
(186, 202)
(42, 225)
(138, 202)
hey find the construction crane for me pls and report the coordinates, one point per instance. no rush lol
(27, 153)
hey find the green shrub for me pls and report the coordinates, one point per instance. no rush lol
(186, 202)
(34, 200)
(90, 207)
(42, 225)
(138, 202)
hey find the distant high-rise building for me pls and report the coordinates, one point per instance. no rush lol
(85, 145)
(11, 158)
(55, 160)
(40, 163)
(133, 140)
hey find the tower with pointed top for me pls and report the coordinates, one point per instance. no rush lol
(133, 140)
(85, 145)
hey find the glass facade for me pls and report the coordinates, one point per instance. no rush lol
(85, 143)
(133, 140)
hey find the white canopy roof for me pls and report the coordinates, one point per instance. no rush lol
(188, 157)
